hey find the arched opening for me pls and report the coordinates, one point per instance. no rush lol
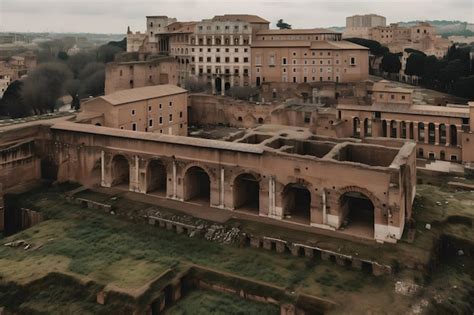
(197, 185)
(384, 128)
(246, 191)
(442, 134)
(431, 133)
(393, 129)
(454, 135)
(120, 171)
(260, 120)
(218, 84)
(297, 203)
(442, 155)
(412, 133)
(227, 86)
(358, 213)
(98, 124)
(356, 127)
(403, 130)
(421, 132)
(156, 178)
(367, 127)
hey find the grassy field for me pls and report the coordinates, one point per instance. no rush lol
(91, 244)
(208, 302)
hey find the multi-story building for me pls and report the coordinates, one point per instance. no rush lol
(5, 81)
(441, 132)
(160, 109)
(359, 25)
(308, 55)
(135, 74)
(17, 66)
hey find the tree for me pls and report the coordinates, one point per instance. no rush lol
(451, 73)
(464, 87)
(106, 53)
(62, 56)
(375, 47)
(194, 85)
(243, 92)
(72, 87)
(415, 64)
(391, 63)
(44, 85)
(282, 25)
(93, 85)
(90, 69)
(12, 104)
(78, 62)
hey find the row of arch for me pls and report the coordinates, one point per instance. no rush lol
(296, 197)
(427, 133)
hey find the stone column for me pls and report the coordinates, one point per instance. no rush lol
(102, 169)
(232, 39)
(213, 83)
(272, 213)
(458, 134)
(437, 135)
(213, 40)
(222, 40)
(222, 189)
(175, 183)
(222, 86)
(241, 40)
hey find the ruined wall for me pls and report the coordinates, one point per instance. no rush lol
(211, 110)
(86, 155)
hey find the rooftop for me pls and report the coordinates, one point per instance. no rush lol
(240, 18)
(306, 31)
(324, 44)
(428, 110)
(143, 93)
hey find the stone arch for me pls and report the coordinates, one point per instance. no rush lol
(357, 210)
(120, 170)
(197, 183)
(246, 191)
(296, 201)
(356, 127)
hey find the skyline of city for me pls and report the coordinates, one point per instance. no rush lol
(92, 17)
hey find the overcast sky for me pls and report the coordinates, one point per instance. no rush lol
(113, 16)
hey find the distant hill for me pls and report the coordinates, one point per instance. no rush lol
(443, 27)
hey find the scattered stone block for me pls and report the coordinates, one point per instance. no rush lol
(308, 252)
(254, 242)
(267, 244)
(280, 247)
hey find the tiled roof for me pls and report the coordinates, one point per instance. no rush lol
(142, 93)
(240, 18)
(307, 31)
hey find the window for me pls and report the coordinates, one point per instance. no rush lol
(246, 59)
(133, 112)
(284, 61)
(161, 120)
(134, 126)
(171, 117)
(353, 61)
(180, 114)
(160, 106)
(392, 96)
(149, 108)
(150, 123)
(208, 59)
(236, 59)
(403, 97)
(121, 72)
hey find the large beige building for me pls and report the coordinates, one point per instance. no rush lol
(135, 74)
(240, 50)
(309, 55)
(441, 132)
(360, 25)
(159, 109)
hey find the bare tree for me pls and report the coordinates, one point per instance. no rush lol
(195, 86)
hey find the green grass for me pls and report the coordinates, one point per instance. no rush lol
(90, 244)
(208, 302)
